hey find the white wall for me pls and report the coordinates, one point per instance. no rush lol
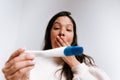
(10, 20)
(99, 28)
(23, 22)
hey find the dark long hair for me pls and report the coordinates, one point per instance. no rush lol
(66, 70)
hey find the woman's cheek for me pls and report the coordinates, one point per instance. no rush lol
(53, 42)
(70, 40)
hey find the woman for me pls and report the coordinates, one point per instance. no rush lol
(61, 31)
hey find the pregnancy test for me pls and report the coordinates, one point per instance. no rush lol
(58, 52)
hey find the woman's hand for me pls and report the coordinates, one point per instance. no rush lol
(18, 66)
(70, 60)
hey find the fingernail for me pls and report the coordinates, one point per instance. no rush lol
(32, 56)
(57, 36)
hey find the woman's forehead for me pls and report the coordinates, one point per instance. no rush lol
(63, 20)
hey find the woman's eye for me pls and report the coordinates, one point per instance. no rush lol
(56, 28)
(69, 30)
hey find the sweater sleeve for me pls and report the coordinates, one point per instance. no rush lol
(98, 73)
(83, 72)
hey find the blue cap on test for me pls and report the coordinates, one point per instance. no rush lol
(73, 50)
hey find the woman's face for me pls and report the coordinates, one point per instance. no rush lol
(62, 32)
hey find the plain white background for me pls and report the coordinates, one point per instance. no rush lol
(23, 24)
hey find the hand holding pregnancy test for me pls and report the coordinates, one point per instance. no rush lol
(58, 52)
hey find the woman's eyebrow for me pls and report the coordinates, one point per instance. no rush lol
(56, 23)
(60, 23)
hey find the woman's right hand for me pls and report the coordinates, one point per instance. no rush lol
(18, 66)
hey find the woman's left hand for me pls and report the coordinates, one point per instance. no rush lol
(70, 60)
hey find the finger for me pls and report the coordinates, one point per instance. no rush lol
(19, 74)
(16, 53)
(61, 41)
(58, 44)
(22, 57)
(62, 38)
(19, 66)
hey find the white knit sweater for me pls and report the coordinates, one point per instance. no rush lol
(45, 69)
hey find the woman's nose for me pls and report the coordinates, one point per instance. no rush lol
(61, 33)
